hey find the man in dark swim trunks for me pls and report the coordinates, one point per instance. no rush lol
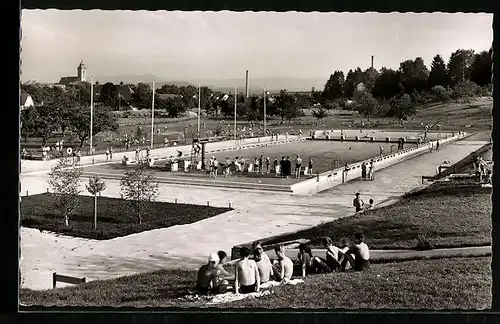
(247, 274)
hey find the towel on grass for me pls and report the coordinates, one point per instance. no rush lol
(231, 297)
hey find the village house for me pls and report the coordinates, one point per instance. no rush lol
(26, 101)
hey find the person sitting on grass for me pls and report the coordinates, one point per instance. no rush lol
(358, 255)
(224, 277)
(305, 258)
(369, 206)
(247, 277)
(283, 267)
(264, 266)
(331, 261)
(207, 275)
(257, 245)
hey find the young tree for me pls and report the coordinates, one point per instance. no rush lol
(108, 94)
(440, 93)
(64, 181)
(366, 104)
(286, 107)
(139, 188)
(95, 186)
(320, 114)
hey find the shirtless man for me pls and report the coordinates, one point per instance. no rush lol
(264, 266)
(258, 246)
(358, 255)
(247, 278)
(207, 275)
(284, 267)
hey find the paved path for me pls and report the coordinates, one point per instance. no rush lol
(256, 215)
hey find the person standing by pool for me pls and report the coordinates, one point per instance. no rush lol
(298, 166)
(381, 150)
(261, 163)
(268, 164)
(310, 167)
(282, 166)
(363, 171)
(275, 165)
(371, 170)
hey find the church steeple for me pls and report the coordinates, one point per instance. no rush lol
(82, 72)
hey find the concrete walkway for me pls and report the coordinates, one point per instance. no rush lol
(256, 215)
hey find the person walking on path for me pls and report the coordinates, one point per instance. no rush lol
(110, 153)
(381, 150)
(437, 145)
(137, 155)
(363, 171)
(107, 155)
(358, 203)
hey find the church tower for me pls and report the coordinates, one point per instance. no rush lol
(82, 72)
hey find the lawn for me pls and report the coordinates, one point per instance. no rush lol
(456, 283)
(447, 219)
(112, 221)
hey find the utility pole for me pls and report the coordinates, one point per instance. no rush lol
(265, 114)
(235, 103)
(153, 115)
(199, 109)
(91, 116)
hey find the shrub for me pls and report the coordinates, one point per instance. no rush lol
(423, 243)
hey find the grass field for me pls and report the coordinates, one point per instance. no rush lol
(112, 220)
(456, 283)
(452, 219)
(476, 116)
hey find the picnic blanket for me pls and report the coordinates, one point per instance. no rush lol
(231, 297)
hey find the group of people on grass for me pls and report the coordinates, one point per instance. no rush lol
(255, 268)
(359, 204)
(261, 165)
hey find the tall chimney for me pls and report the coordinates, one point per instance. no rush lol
(372, 61)
(246, 84)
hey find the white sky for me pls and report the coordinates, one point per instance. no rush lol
(220, 45)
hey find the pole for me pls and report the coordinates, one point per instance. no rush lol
(265, 112)
(199, 109)
(95, 211)
(153, 115)
(91, 116)
(235, 101)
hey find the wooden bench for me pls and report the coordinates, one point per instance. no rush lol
(66, 279)
(235, 251)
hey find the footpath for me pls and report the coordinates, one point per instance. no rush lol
(256, 215)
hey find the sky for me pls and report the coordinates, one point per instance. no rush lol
(186, 46)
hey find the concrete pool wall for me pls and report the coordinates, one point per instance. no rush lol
(330, 179)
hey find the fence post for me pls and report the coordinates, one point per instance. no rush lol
(47, 190)
(229, 204)
(208, 203)
(26, 193)
(176, 200)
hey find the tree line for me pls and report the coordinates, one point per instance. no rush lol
(395, 93)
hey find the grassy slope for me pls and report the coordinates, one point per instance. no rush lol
(459, 283)
(112, 220)
(448, 220)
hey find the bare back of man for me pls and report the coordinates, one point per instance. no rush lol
(247, 276)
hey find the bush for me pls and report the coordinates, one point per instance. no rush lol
(440, 94)
(423, 243)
